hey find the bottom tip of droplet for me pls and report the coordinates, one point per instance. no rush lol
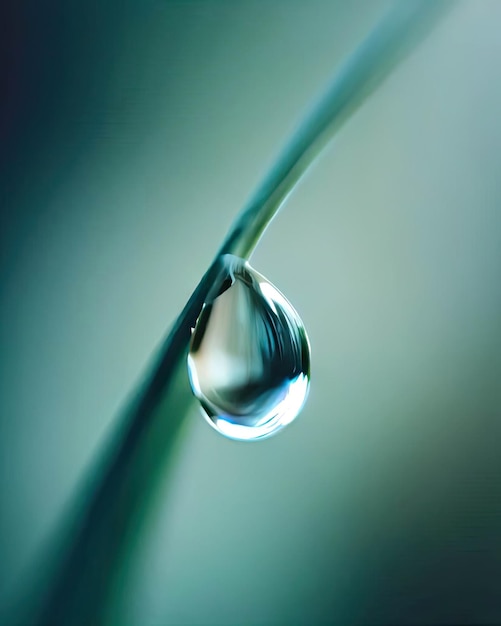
(265, 425)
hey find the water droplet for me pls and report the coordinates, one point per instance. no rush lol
(249, 359)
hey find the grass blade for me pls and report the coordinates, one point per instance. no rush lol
(117, 497)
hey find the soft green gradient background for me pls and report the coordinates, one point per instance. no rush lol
(135, 134)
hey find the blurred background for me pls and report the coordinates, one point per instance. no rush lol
(132, 133)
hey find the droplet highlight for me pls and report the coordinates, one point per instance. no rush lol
(249, 357)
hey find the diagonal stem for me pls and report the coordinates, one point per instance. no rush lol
(118, 497)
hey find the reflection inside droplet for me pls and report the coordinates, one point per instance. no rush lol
(249, 359)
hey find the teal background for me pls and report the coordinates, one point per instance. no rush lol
(133, 133)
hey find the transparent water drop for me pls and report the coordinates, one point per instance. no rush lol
(249, 358)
